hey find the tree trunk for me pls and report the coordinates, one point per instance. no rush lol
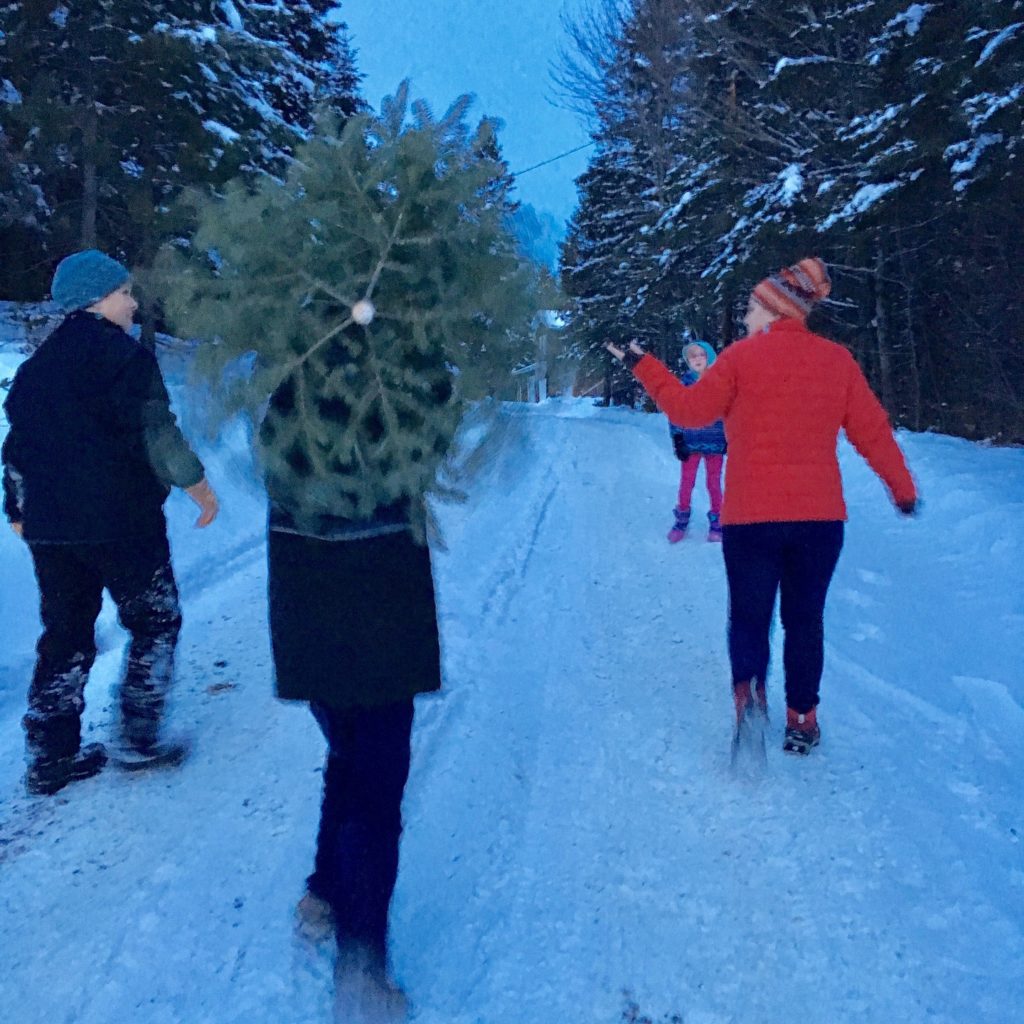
(883, 340)
(149, 304)
(663, 346)
(728, 317)
(728, 321)
(917, 373)
(90, 183)
(915, 370)
(147, 324)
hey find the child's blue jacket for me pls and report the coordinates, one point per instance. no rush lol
(701, 440)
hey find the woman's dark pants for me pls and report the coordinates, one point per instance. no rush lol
(797, 560)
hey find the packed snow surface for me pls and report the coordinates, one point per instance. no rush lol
(575, 841)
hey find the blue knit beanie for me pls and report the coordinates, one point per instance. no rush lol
(86, 277)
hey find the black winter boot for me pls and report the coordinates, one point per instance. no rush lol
(166, 754)
(142, 748)
(46, 776)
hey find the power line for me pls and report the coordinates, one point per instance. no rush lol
(544, 163)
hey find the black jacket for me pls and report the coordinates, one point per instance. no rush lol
(93, 446)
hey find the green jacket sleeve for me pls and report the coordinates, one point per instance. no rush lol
(13, 499)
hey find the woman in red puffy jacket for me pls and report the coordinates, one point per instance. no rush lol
(784, 394)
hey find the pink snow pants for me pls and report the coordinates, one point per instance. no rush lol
(713, 473)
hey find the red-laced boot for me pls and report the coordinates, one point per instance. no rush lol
(743, 698)
(802, 732)
(751, 721)
(751, 695)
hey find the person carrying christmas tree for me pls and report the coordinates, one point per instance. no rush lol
(353, 624)
(91, 455)
(351, 338)
(694, 445)
(784, 393)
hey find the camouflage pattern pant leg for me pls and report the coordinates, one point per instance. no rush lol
(71, 593)
(141, 582)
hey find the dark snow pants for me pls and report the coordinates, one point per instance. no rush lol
(798, 560)
(361, 816)
(72, 577)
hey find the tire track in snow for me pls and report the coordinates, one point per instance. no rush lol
(548, 595)
(495, 739)
(505, 585)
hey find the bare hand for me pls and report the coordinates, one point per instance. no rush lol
(202, 494)
(18, 528)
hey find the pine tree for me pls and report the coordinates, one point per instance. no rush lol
(767, 82)
(122, 104)
(611, 260)
(884, 136)
(21, 206)
(646, 110)
(931, 165)
(104, 92)
(338, 81)
(594, 251)
(310, 56)
(379, 212)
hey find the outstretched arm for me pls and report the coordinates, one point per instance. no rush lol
(696, 406)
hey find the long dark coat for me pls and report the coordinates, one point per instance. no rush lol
(353, 619)
(352, 622)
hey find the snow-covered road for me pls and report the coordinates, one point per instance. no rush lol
(573, 832)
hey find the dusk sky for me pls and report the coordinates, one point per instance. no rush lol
(500, 52)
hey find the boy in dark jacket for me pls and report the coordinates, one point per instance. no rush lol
(92, 452)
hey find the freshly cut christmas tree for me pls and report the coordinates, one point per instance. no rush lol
(353, 292)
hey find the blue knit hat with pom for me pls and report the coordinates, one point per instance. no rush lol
(86, 277)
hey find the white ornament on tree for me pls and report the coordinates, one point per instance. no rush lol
(363, 312)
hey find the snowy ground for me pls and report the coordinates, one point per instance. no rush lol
(573, 832)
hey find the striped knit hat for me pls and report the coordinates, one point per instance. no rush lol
(794, 291)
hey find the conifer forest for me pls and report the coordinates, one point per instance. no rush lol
(730, 137)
